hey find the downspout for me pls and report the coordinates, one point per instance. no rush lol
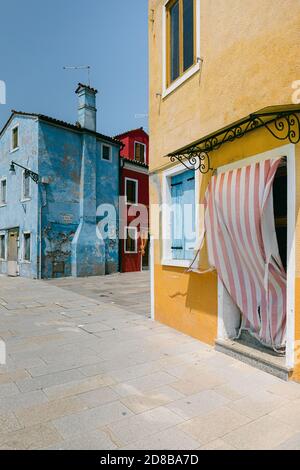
(121, 166)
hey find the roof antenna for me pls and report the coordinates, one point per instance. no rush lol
(80, 67)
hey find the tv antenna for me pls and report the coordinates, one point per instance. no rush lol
(80, 67)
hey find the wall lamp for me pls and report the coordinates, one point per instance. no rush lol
(34, 176)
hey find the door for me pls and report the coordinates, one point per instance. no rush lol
(12, 253)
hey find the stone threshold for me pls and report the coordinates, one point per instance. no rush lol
(252, 353)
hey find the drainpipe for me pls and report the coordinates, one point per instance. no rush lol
(121, 166)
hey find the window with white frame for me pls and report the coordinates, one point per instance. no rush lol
(15, 138)
(130, 240)
(140, 152)
(26, 186)
(3, 191)
(2, 247)
(131, 191)
(106, 152)
(27, 246)
(181, 42)
(179, 217)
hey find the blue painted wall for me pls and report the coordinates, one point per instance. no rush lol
(17, 213)
(76, 181)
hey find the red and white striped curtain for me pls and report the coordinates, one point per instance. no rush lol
(242, 246)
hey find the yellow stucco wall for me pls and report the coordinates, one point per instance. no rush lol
(249, 50)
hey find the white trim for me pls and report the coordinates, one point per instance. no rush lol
(289, 152)
(152, 287)
(23, 197)
(135, 239)
(291, 260)
(110, 152)
(191, 71)
(4, 234)
(145, 150)
(12, 150)
(167, 259)
(136, 191)
(26, 261)
(3, 203)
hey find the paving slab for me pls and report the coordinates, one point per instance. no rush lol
(88, 369)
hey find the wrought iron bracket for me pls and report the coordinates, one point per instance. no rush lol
(28, 173)
(281, 125)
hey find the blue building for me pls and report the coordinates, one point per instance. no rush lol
(48, 227)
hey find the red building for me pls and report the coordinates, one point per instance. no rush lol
(134, 187)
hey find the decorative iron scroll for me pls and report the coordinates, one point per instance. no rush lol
(282, 126)
(31, 174)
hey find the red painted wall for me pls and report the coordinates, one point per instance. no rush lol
(133, 262)
(128, 139)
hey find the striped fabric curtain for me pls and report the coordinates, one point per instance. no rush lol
(242, 246)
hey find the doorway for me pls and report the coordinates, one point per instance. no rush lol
(13, 252)
(229, 316)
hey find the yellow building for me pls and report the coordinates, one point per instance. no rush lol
(224, 84)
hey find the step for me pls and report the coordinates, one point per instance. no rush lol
(260, 358)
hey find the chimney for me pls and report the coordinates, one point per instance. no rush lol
(86, 106)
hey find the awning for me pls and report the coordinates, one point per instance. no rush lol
(282, 121)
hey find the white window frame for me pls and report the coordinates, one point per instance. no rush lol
(3, 234)
(27, 232)
(145, 149)
(110, 152)
(192, 70)
(136, 240)
(167, 258)
(11, 139)
(23, 197)
(3, 204)
(136, 192)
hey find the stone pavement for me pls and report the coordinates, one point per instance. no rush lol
(130, 290)
(86, 374)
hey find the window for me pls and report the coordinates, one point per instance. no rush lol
(15, 138)
(131, 240)
(131, 191)
(2, 246)
(3, 192)
(181, 56)
(26, 186)
(180, 216)
(26, 247)
(183, 215)
(181, 48)
(106, 152)
(140, 152)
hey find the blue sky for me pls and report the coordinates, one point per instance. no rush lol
(39, 37)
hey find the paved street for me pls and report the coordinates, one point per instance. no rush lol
(130, 290)
(86, 373)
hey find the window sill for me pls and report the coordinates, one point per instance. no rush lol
(4, 204)
(28, 199)
(25, 262)
(15, 150)
(188, 74)
(180, 263)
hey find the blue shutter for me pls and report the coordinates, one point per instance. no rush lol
(183, 217)
(189, 220)
(177, 217)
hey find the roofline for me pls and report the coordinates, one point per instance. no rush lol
(123, 134)
(63, 124)
(135, 163)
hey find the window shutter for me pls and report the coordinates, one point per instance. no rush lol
(177, 217)
(189, 214)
